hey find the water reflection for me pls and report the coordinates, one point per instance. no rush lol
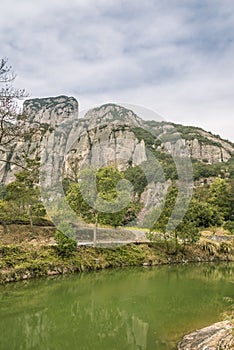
(128, 309)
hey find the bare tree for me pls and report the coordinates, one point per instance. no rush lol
(10, 113)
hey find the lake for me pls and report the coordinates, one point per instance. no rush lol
(132, 308)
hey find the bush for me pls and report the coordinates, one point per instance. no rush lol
(229, 225)
(64, 238)
(209, 246)
(226, 247)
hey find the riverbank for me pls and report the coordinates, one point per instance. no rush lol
(24, 260)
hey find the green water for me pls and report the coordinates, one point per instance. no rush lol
(135, 308)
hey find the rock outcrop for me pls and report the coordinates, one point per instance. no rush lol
(105, 135)
(102, 146)
(153, 196)
(202, 145)
(52, 120)
(216, 337)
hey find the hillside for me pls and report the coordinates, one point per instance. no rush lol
(111, 133)
(153, 155)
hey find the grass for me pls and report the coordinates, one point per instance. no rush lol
(23, 261)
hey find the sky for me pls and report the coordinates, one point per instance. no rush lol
(175, 57)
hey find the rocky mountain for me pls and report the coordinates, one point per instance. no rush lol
(52, 120)
(113, 134)
(105, 135)
(203, 146)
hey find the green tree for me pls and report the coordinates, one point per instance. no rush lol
(5, 211)
(65, 240)
(229, 225)
(203, 214)
(137, 178)
(100, 196)
(24, 192)
(199, 215)
(187, 231)
(220, 197)
(161, 223)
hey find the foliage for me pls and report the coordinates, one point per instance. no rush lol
(187, 232)
(5, 212)
(203, 214)
(131, 212)
(220, 197)
(143, 134)
(23, 194)
(168, 164)
(136, 176)
(229, 225)
(209, 246)
(66, 183)
(64, 238)
(161, 223)
(199, 215)
(98, 196)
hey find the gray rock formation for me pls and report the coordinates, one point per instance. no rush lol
(109, 134)
(53, 111)
(103, 146)
(216, 337)
(202, 145)
(152, 197)
(52, 120)
(105, 135)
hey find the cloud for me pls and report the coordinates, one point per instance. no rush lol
(175, 57)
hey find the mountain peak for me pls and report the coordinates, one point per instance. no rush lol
(51, 110)
(113, 113)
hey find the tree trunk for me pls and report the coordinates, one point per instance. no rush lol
(95, 231)
(166, 241)
(176, 243)
(30, 214)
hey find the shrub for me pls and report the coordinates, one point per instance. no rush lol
(64, 238)
(209, 246)
(229, 225)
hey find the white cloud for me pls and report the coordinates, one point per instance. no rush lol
(173, 56)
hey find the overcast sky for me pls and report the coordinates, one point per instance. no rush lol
(175, 57)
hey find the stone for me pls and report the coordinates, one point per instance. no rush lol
(215, 337)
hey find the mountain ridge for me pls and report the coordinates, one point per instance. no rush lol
(106, 134)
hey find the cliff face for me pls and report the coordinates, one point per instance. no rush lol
(105, 135)
(52, 120)
(52, 110)
(109, 134)
(202, 145)
(210, 151)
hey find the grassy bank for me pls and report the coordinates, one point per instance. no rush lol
(24, 261)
